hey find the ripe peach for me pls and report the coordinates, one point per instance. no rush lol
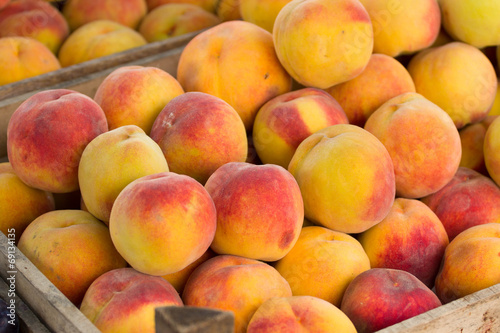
(198, 133)
(261, 12)
(286, 120)
(346, 177)
(495, 108)
(422, 140)
(228, 10)
(47, 134)
(208, 5)
(322, 263)
(491, 150)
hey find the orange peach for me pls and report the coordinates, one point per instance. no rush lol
(322, 263)
(299, 314)
(383, 78)
(410, 238)
(124, 300)
(470, 263)
(47, 134)
(71, 248)
(259, 210)
(135, 95)
(4, 3)
(346, 177)
(422, 140)
(467, 81)
(198, 133)
(286, 120)
(24, 57)
(208, 5)
(491, 150)
(236, 62)
(322, 43)
(261, 12)
(235, 284)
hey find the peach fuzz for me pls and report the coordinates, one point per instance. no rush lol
(208, 5)
(229, 61)
(299, 314)
(382, 297)
(235, 284)
(467, 85)
(198, 133)
(410, 238)
(71, 248)
(124, 300)
(261, 12)
(80, 12)
(135, 95)
(36, 19)
(322, 263)
(98, 39)
(322, 43)
(126, 148)
(20, 204)
(259, 210)
(470, 263)
(491, 150)
(175, 19)
(403, 27)
(286, 120)
(383, 78)
(163, 222)
(23, 58)
(346, 177)
(422, 140)
(40, 126)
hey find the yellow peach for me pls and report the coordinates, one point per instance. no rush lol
(261, 12)
(491, 150)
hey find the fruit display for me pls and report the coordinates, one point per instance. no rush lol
(328, 165)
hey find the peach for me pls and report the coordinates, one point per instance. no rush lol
(346, 177)
(403, 27)
(127, 149)
(261, 12)
(235, 284)
(175, 19)
(259, 210)
(410, 238)
(422, 140)
(299, 314)
(322, 263)
(495, 107)
(236, 62)
(467, 81)
(80, 12)
(383, 78)
(322, 43)
(228, 10)
(4, 3)
(124, 300)
(24, 57)
(208, 5)
(71, 248)
(20, 204)
(198, 133)
(469, 199)
(135, 95)
(286, 120)
(47, 134)
(381, 297)
(491, 150)
(473, 22)
(470, 263)
(98, 39)
(36, 19)
(163, 222)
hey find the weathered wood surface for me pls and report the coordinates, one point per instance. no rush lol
(188, 319)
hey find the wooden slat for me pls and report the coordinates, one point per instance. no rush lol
(190, 319)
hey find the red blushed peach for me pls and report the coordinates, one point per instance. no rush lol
(383, 78)
(259, 210)
(124, 300)
(491, 150)
(299, 314)
(381, 297)
(208, 5)
(47, 134)
(422, 140)
(71, 248)
(198, 133)
(236, 284)
(470, 263)
(286, 120)
(469, 199)
(162, 223)
(3, 3)
(410, 238)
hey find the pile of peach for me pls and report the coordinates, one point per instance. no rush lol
(338, 173)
